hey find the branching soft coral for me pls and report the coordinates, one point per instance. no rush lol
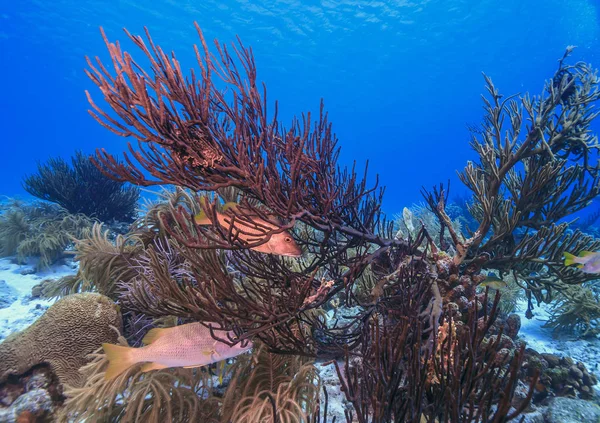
(183, 395)
(102, 263)
(576, 311)
(268, 383)
(206, 141)
(82, 188)
(538, 164)
(39, 230)
(194, 134)
(455, 374)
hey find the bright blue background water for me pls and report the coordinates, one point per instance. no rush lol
(401, 79)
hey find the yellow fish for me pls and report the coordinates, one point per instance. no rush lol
(281, 244)
(189, 345)
(587, 261)
(493, 282)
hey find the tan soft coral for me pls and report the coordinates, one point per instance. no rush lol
(71, 329)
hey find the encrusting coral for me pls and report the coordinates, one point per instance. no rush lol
(418, 339)
(72, 328)
(559, 376)
(32, 397)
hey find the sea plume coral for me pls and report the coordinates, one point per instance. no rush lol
(453, 374)
(82, 188)
(103, 263)
(270, 387)
(39, 230)
(576, 311)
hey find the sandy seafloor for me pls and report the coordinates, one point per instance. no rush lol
(20, 279)
(24, 310)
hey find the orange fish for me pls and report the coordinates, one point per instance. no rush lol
(189, 345)
(281, 244)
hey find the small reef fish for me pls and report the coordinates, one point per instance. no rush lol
(281, 244)
(189, 345)
(587, 261)
(493, 282)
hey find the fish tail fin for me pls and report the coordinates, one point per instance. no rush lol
(586, 253)
(119, 360)
(202, 219)
(570, 259)
(231, 205)
(221, 370)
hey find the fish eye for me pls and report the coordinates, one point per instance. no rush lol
(288, 239)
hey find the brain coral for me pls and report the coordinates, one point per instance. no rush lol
(71, 329)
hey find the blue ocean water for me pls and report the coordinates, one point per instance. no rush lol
(401, 79)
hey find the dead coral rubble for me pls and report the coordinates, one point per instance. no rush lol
(559, 376)
(32, 397)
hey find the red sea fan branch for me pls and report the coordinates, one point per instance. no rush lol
(194, 135)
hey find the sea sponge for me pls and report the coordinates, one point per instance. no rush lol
(72, 328)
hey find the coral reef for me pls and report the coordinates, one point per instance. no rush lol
(82, 188)
(170, 395)
(559, 376)
(258, 385)
(62, 337)
(39, 230)
(32, 397)
(417, 339)
(537, 165)
(102, 264)
(398, 376)
(417, 216)
(576, 311)
(271, 387)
